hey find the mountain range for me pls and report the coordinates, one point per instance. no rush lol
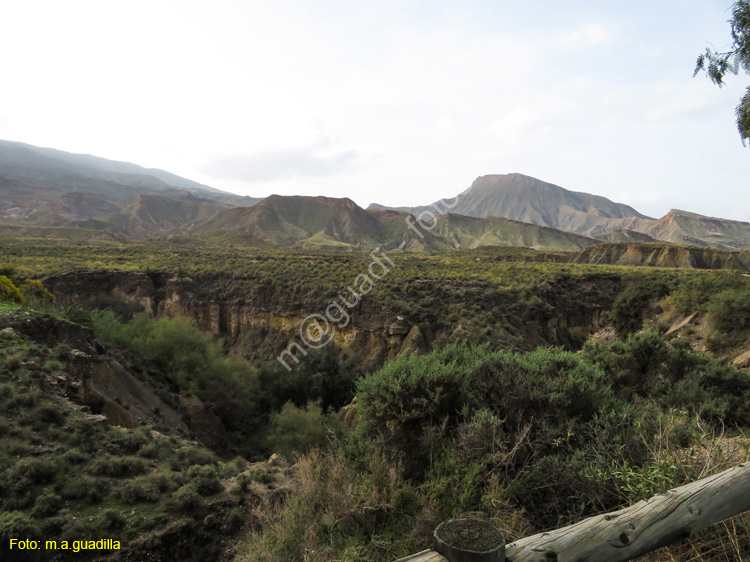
(530, 200)
(51, 193)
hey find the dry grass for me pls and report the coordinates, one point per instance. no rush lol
(728, 541)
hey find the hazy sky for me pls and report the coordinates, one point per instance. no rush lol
(394, 101)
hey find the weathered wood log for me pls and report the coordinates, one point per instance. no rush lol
(424, 556)
(641, 528)
(469, 540)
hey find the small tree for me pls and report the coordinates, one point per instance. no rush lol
(716, 64)
(33, 290)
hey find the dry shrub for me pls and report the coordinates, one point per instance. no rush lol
(299, 526)
(728, 541)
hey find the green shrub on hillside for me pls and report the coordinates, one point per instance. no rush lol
(8, 291)
(694, 294)
(205, 479)
(630, 307)
(118, 467)
(669, 373)
(190, 359)
(186, 499)
(729, 318)
(15, 524)
(296, 430)
(33, 290)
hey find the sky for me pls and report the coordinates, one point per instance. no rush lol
(399, 102)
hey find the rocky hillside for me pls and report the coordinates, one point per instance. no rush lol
(682, 227)
(472, 232)
(154, 215)
(661, 255)
(42, 187)
(527, 199)
(42, 172)
(341, 223)
(90, 449)
(624, 236)
(530, 200)
(320, 221)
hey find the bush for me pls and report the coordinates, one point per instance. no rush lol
(45, 414)
(205, 480)
(186, 499)
(193, 456)
(14, 362)
(14, 525)
(630, 307)
(415, 404)
(668, 373)
(133, 441)
(114, 520)
(694, 294)
(76, 313)
(261, 476)
(34, 471)
(139, 490)
(63, 352)
(118, 467)
(295, 430)
(148, 488)
(190, 359)
(47, 506)
(8, 291)
(33, 290)
(243, 482)
(729, 318)
(86, 488)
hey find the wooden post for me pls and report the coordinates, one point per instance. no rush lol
(469, 540)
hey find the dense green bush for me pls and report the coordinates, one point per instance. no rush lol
(205, 480)
(149, 488)
(83, 488)
(186, 499)
(673, 376)
(416, 403)
(631, 306)
(118, 467)
(190, 359)
(34, 291)
(694, 294)
(729, 318)
(16, 524)
(295, 430)
(8, 291)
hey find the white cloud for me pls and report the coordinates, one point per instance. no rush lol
(319, 159)
(588, 35)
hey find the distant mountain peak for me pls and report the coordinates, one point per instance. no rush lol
(524, 198)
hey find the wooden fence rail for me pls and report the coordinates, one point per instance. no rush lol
(613, 537)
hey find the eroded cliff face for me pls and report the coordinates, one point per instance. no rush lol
(124, 292)
(261, 323)
(661, 255)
